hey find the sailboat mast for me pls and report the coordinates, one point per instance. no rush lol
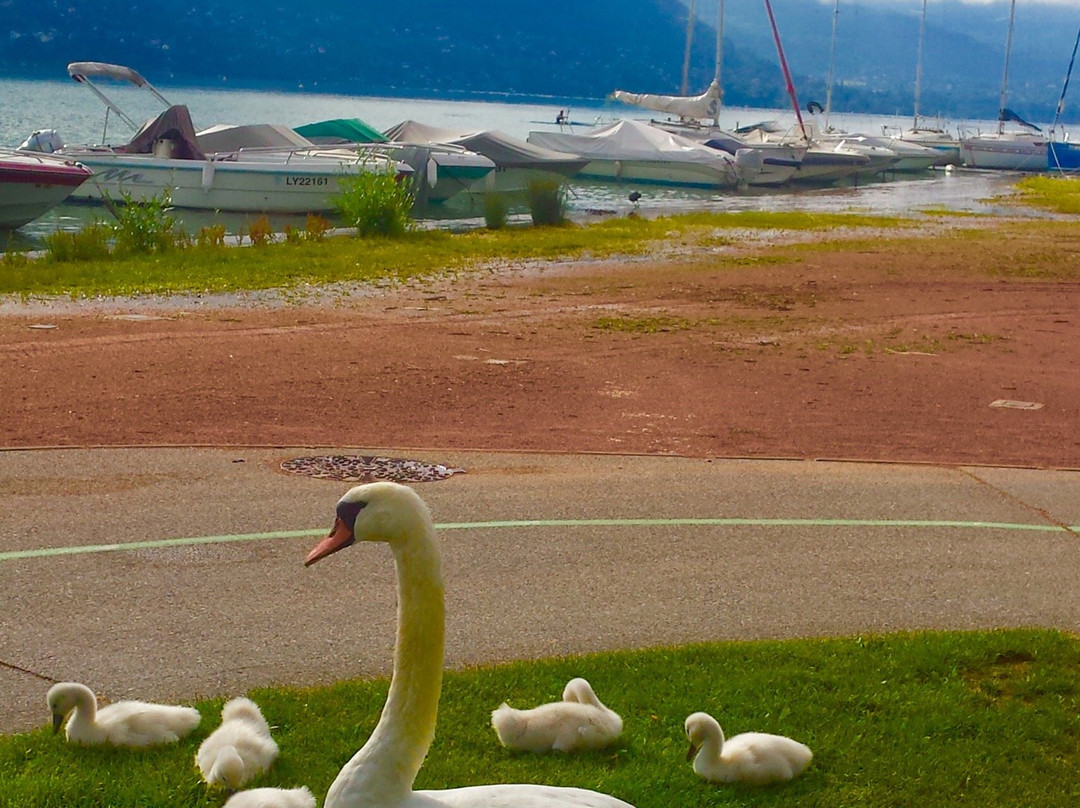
(787, 73)
(832, 64)
(686, 55)
(1005, 75)
(918, 65)
(719, 39)
(719, 59)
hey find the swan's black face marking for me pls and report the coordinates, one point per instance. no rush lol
(342, 534)
(348, 511)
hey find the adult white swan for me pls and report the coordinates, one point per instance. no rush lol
(381, 774)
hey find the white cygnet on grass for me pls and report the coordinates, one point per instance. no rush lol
(125, 723)
(239, 749)
(756, 758)
(579, 721)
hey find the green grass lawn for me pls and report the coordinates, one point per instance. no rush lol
(416, 254)
(910, 720)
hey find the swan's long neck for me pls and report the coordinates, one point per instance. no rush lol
(382, 772)
(85, 714)
(709, 758)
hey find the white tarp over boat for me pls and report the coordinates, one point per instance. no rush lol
(630, 140)
(502, 149)
(635, 151)
(706, 105)
(230, 138)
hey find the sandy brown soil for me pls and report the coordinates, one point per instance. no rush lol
(772, 346)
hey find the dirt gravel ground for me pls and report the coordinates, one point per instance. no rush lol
(955, 344)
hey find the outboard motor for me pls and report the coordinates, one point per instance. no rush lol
(44, 140)
(751, 162)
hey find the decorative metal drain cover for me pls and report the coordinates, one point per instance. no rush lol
(368, 468)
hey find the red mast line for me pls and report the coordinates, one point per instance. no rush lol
(787, 73)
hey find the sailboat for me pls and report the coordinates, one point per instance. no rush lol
(698, 117)
(934, 137)
(885, 153)
(823, 162)
(1061, 155)
(1021, 149)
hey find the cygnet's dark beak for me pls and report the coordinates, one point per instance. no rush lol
(691, 752)
(57, 722)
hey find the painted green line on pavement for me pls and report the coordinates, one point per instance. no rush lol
(88, 549)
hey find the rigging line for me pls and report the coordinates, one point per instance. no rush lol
(1061, 104)
(787, 73)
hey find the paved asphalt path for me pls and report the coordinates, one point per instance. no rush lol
(807, 549)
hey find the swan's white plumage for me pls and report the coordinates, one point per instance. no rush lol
(381, 774)
(271, 798)
(756, 758)
(125, 723)
(239, 749)
(579, 721)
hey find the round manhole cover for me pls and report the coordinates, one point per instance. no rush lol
(368, 468)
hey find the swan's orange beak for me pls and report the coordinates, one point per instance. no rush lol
(341, 536)
(693, 751)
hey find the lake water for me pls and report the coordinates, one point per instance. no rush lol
(78, 116)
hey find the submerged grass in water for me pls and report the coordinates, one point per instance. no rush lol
(928, 719)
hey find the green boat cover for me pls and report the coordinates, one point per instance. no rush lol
(341, 130)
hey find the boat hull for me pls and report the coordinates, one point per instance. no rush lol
(1062, 156)
(653, 172)
(1004, 152)
(244, 186)
(32, 185)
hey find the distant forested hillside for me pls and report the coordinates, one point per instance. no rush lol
(557, 50)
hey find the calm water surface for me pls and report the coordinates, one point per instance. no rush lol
(78, 116)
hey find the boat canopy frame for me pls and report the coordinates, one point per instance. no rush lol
(82, 72)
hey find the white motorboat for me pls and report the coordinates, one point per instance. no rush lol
(945, 144)
(778, 161)
(699, 118)
(165, 156)
(632, 151)
(517, 163)
(33, 184)
(821, 162)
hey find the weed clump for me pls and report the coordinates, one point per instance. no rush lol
(547, 202)
(496, 209)
(375, 204)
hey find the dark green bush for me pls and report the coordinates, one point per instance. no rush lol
(145, 227)
(547, 202)
(496, 209)
(375, 203)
